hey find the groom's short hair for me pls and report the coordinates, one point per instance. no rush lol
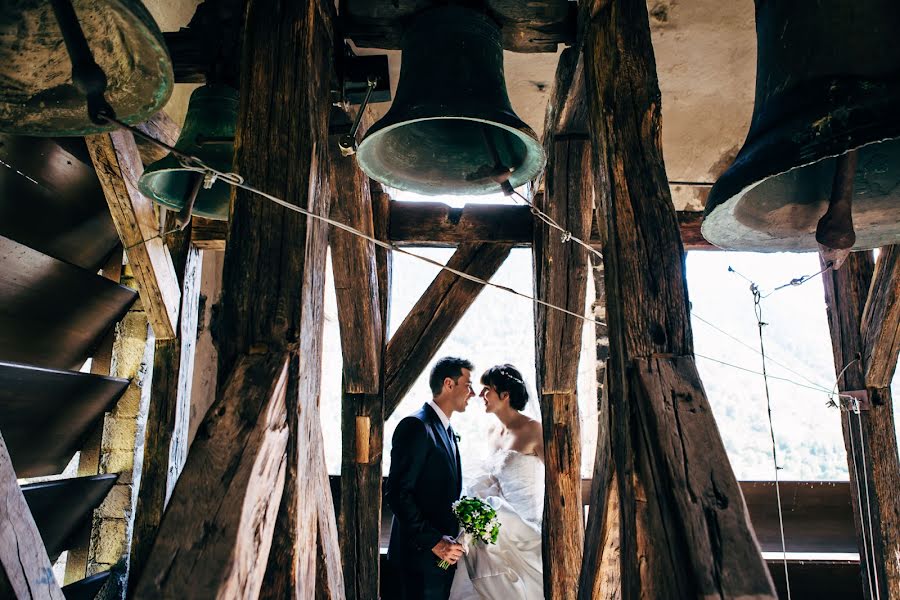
(448, 366)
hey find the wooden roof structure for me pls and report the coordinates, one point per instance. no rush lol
(246, 508)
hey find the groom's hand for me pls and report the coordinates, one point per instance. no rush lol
(448, 550)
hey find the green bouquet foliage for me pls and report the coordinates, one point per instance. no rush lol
(477, 519)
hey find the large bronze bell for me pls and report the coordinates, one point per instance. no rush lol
(825, 118)
(451, 129)
(37, 95)
(208, 134)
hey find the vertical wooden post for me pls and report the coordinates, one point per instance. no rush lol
(227, 505)
(25, 569)
(166, 437)
(560, 276)
(684, 529)
(362, 409)
(868, 436)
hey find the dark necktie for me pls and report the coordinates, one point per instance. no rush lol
(452, 436)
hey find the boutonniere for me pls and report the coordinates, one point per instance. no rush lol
(457, 436)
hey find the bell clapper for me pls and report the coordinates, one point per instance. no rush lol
(348, 142)
(834, 232)
(198, 180)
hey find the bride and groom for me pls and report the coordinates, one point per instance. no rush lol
(426, 479)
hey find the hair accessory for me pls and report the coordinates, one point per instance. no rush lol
(509, 375)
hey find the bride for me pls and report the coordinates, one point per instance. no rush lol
(513, 483)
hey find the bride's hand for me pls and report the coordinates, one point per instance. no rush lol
(448, 550)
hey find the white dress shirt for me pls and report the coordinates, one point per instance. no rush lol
(445, 420)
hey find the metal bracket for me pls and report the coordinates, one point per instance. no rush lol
(860, 396)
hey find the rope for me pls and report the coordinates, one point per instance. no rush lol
(567, 235)
(193, 163)
(757, 307)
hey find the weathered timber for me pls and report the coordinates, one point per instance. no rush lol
(206, 358)
(118, 165)
(362, 410)
(560, 276)
(355, 277)
(434, 316)
(869, 436)
(160, 127)
(436, 224)
(602, 529)
(381, 219)
(273, 274)
(880, 328)
(213, 532)
(684, 532)
(25, 569)
(208, 234)
(168, 417)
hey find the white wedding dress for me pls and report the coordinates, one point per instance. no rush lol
(513, 483)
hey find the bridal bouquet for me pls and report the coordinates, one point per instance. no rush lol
(477, 521)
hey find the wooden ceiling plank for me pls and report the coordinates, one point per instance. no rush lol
(434, 317)
(25, 568)
(63, 507)
(48, 413)
(880, 328)
(118, 165)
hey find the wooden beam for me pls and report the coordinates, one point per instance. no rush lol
(684, 529)
(436, 224)
(208, 234)
(25, 569)
(213, 532)
(118, 165)
(168, 417)
(560, 278)
(362, 402)
(160, 127)
(880, 328)
(869, 435)
(434, 316)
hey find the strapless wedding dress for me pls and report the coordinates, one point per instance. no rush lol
(513, 483)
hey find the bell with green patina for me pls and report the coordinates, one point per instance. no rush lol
(451, 128)
(37, 94)
(208, 134)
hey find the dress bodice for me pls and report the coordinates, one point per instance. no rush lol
(520, 481)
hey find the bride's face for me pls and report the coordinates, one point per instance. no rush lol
(492, 400)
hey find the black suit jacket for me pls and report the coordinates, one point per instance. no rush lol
(424, 481)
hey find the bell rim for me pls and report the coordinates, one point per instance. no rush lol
(781, 149)
(148, 177)
(522, 131)
(155, 40)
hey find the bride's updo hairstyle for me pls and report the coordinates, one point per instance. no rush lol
(507, 378)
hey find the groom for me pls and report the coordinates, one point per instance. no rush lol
(425, 479)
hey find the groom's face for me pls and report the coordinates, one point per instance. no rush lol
(461, 391)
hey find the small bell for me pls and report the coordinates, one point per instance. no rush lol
(208, 134)
(37, 94)
(451, 128)
(827, 85)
